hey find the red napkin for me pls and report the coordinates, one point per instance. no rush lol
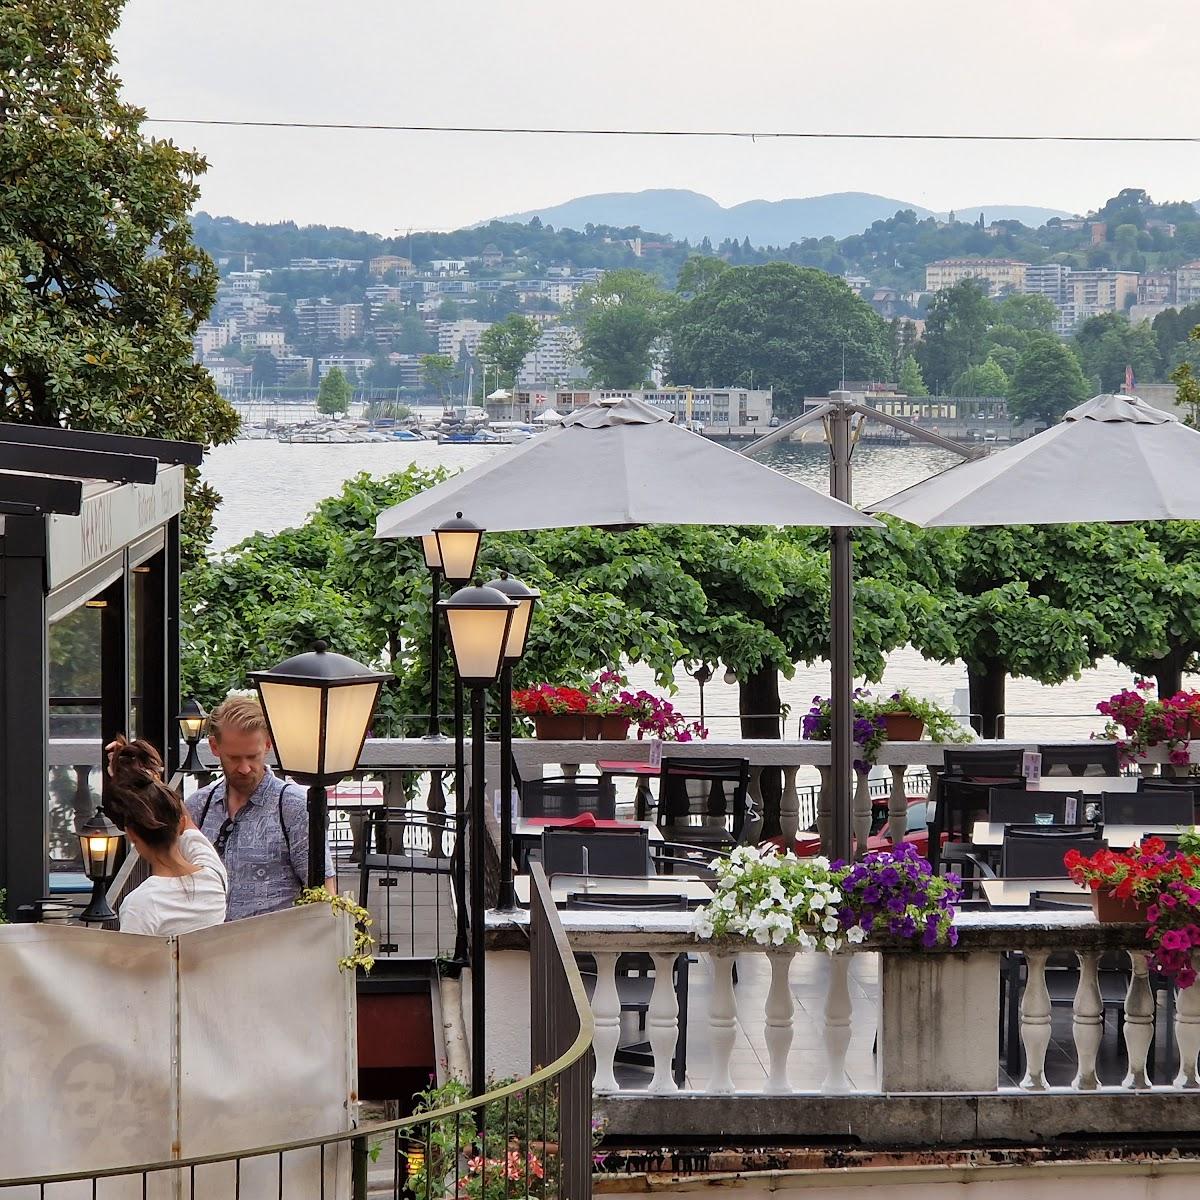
(583, 821)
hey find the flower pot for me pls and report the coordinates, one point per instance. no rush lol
(613, 728)
(903, 727)
(559, 727)
(1112, 909)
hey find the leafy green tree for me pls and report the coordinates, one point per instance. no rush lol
(1107, 344)
(1029, 313)
(911, 383)
(1046, 383)
(698, 273)
(986, 379)
(788, 325)
(438, 371)
(101, 284)
(956, 328)
(296, 380)
(621, 318)
(333, 397)
(449, 310)
(1187, 387)
(505, 345)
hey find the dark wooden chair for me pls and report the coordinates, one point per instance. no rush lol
(1097, 757)
(608, 851)
(691, 791)
(1175, 806)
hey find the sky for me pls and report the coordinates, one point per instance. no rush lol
(1094, 67)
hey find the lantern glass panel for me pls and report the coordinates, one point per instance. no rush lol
(191, 727)
(518, 631)
(429, 548)
(459, 548)
(348, 715)
(478, 636)
(294, 714)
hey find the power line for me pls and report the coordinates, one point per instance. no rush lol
(750, 135)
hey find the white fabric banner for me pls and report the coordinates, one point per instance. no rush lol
(118, 1049)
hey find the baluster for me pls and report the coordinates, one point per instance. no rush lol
(1187, 1032)
(606, 1014)
(837, 1025)
(897, 806)
(779, 1008)
(825, 808)
(662, 1022)
(722, 1022)
(1139, 1020)
(789, 808)
(436, 803)
(1087, 1021)
(862, 813)
(569, 770)
(1035, 1020)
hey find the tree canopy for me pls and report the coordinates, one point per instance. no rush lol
(620, 320)
(333, 398)
(785, 327)
(101, 285)
(504, 346)
(1047, 381)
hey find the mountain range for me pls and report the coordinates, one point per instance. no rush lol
(683, 213)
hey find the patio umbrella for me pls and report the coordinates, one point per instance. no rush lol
(618, 463)
(1113, 458)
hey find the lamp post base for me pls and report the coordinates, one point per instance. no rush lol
(434, 737)
(98, 910)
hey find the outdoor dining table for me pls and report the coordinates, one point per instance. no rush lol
(1019, 893)
(1087, 785)
(696, 890)
(990, 834)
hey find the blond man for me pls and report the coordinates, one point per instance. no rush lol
(257, 822)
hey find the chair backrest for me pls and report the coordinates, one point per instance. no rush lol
(1015, 806)
(676, 805)
(982, 763)
(962, 799)
(609, 851)
(1097, 757)
(1176, 806)
(648, 902)
(561, 797)
(1037, 852)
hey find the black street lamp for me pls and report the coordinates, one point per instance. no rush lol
(99, 841)
(479, 619)
(518, 636)
(318, 707)
(702, 674)
(192, 720)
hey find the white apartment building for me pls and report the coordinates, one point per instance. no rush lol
(350, 366)
(322, 318)
(1187, 284)
(264, 339)
(453, 336)
(289, 364)
(716, 412)
(554, 360)
(447, 266)
(1049, 280)
(325, 264)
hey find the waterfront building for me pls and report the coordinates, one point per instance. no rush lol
(352, 366)
(554, 360)
(453, 337)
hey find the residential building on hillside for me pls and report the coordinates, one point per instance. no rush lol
(1187, 284)
(1156, 287)
(448, 266)
(389, 264)
(351, 366)
(324, 319)
(208, 338)
(491, 256)
(325, 264)
(1047, 279)
(1094, 292)
(264, 339)
(410, 368)
(1000, 274)
(289, 364)
(455, 336)
(554, 360)
(228, 372)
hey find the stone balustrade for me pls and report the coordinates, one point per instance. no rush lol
(938, 1011)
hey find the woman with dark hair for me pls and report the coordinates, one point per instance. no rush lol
(187, 887)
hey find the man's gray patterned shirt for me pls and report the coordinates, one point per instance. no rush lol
(267, 870)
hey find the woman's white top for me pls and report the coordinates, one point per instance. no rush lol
(165, 905)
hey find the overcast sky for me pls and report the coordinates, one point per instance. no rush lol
(945, 66)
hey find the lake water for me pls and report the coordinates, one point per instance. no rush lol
(268, 486)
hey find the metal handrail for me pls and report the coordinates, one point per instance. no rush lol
(539, 1078)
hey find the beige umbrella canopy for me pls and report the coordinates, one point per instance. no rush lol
(1113, 458)
(614, 464)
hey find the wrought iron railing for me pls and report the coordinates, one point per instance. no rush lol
(530, 1137)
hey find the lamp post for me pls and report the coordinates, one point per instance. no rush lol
(433, 564)
(514, 649)
(191, 721)
(702, 674)
(479, 619)
(318, 707)
(99, 840)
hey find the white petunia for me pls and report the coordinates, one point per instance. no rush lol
(856, 934)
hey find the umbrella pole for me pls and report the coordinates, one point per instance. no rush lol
(841, 633)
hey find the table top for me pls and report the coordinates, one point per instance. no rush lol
(1019, 893)
(534, 827)
(1121, 837)
(1087, 785)
(562, 886)
(616, 766)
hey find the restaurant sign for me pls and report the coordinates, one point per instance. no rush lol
(110, 520)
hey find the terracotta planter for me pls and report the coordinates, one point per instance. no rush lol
(903, 727)
(613, 728)
(560, 727)
(1111, 909)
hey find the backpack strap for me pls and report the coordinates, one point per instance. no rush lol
(287, 841)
